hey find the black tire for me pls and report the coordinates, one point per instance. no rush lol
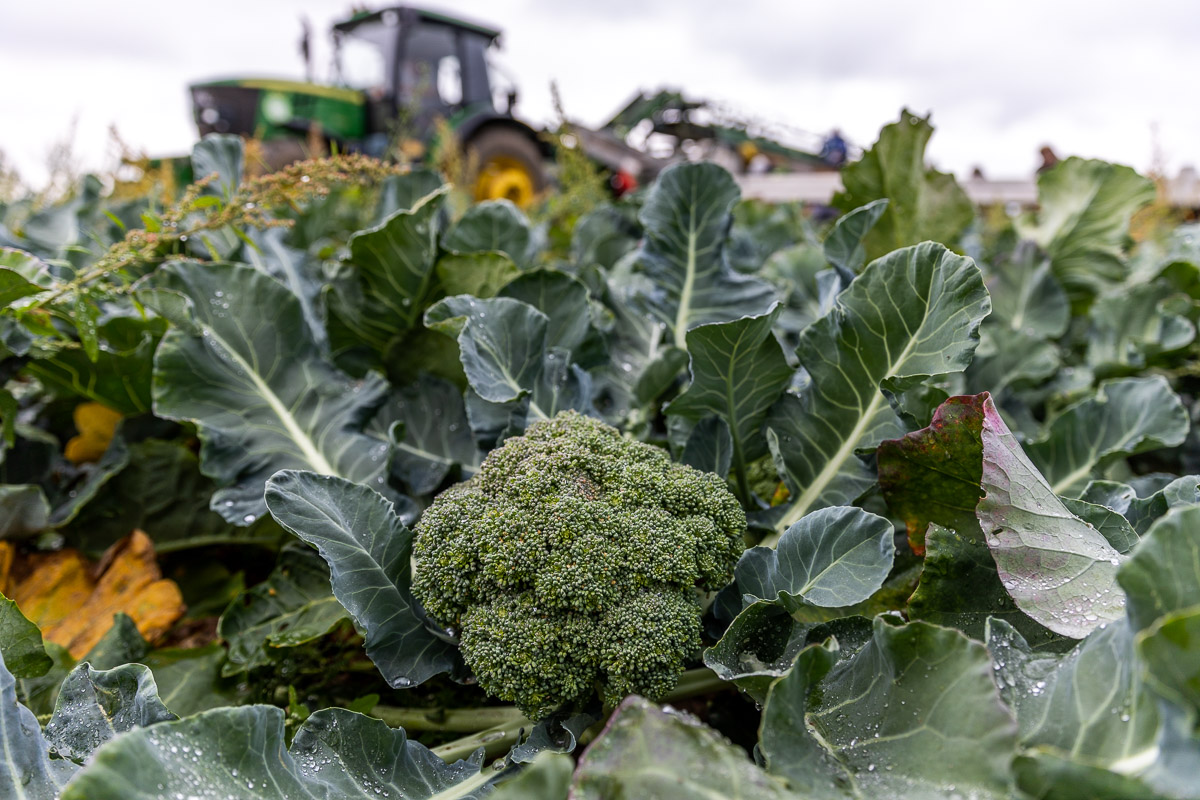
(501, 145)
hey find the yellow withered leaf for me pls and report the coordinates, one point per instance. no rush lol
(96, 424)
(73, 601)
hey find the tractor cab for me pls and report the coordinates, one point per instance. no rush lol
(414, 66)
(396, 72)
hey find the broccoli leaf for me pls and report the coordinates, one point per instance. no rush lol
(291, 607)
(1126, 416)
(910, 714)
(94, 706)
(358, 533)
(646, 751)
(1084, 219)
(738, 371)
(923, 203)
(1090, 702)
(911, 314)
(21, 642)
(687, 217)
(228, 752)
(390, 276)
(493, 226)
(241, 364)
(1163, 574)
(844, 245)
(833, 557)
(26, 770)
(1059, 569)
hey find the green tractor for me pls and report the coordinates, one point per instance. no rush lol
(397, 72)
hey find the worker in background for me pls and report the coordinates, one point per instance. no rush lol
(1049, 158)
(833, 151)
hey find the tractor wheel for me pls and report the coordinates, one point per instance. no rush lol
(509, 166)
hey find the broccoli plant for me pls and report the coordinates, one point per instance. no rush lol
(569, 564)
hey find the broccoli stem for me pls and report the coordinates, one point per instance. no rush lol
(696, 682)
(452, 720)
(494, 741)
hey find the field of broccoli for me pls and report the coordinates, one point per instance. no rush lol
(328, 483)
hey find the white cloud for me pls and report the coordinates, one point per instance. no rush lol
(1001, 79)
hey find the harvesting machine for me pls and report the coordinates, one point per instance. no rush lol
(397, 71)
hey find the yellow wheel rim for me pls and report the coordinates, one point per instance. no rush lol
(505, 178)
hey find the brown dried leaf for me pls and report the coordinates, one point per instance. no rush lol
(73, 601)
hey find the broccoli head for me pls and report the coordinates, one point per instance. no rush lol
(568, 564)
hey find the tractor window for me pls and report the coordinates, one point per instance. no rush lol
(362, 57)
(449, 80)
(430, 66)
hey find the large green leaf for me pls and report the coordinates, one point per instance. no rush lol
(1088, 703)
(1008, 359)
(26, 770)
(1163, 574)
(687, 216)
(189, 679)
(923, 203)
(295, 269)
(1134, 325)
(119, 376)
(1126, 416)
(832, 557)
(21, 643)
(427, 422)
(496, 225)
(240, 752)
(94, 706)
(844, 244)
(1170, 650)
(933, 474)
(738, 371)
(645, 751)
(368, 550)
(241, 365)
(913, 313)
(502, 342)
(477, 274)
(762, 643)
(1058, 569)
(1142, 512)
(914, 712)
(960, 588)
(163, 493)
(1026, 297)
(505, 353)
(1085, 208)
(291, 607)
(391, 274)
(564, 301)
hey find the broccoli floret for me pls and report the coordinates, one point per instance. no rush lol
(568, 564)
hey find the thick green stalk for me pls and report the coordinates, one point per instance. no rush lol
(696, 682)
(453, 720)
(494, 741)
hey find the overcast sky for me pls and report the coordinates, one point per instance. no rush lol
(1001, 79)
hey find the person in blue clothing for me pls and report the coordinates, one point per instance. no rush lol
(833, 151)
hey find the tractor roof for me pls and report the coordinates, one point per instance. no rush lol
(407, 15)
